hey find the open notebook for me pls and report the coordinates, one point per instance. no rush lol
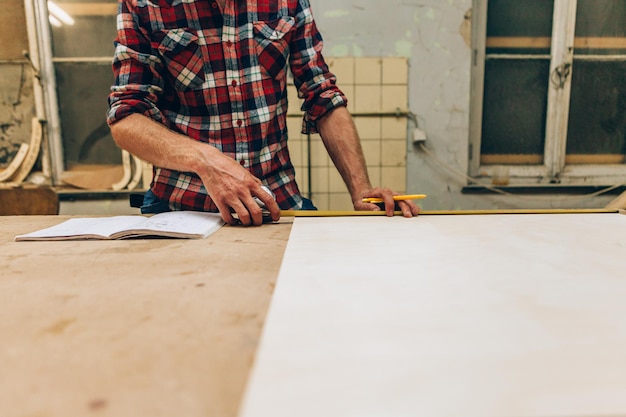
(175, 224)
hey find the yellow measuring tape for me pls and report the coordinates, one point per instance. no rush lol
(347, 213)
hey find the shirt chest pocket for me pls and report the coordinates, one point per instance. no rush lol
(271, 40)
(182, 56)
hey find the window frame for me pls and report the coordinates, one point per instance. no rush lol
(553, 170)
(46, 97)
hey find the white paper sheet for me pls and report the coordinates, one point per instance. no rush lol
(499, 315)
(182, 224)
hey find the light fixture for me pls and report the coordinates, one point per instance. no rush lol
(60, 15)
(54, 21)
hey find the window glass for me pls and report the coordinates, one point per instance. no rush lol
(597, 120)
(600, 27)
(82, 108)
(519, 27)
(514, 117)
(82, 60)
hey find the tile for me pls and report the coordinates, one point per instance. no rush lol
(295, 152)
(294, 101)
(394, 128)
(294, 127)
(372, 152)
(374, 174)
(368, 127)
(302, 178)
(320, 200)
(368, 71)
(335, 182)
(395, 71)
(348, 91)
(319, 179)
(395, 97)
(394, 178)
(368, 98)
(319, 155)
(343, 68)
(340, 202)
(394, 153)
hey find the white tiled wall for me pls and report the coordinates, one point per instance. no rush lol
(373, 85)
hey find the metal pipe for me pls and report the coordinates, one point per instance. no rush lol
(49, 98)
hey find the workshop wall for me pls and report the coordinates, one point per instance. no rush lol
(430, 37)
(377, 90)
(16, 82)
(434, 36)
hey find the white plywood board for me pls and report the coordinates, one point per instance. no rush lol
(500, 315)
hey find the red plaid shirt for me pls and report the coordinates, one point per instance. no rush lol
(220, 77)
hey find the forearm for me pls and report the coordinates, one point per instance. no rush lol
(231, 186)
(154, 143)
(344, 147)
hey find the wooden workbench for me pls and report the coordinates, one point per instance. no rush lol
(435, 316)
(131, 328)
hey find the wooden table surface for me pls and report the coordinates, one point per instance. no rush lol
(169, 327)
(132, 328)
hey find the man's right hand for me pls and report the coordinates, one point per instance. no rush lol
(231, 186)
(232, 189)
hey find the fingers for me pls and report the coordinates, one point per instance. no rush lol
(407, 207)
(246, 214)
(388, 201)
(249, 212)
(246, 206)
(268, 200)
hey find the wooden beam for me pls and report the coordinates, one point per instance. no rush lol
(618, 203)
(90, 9)
(594, 159)
(537, 159)
(587, 42)
(511, 159)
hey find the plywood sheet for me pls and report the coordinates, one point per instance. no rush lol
(94, 177)
(507, 315)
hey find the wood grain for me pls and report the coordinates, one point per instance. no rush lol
(132, 328)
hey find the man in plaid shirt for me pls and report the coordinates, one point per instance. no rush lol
(201, 93)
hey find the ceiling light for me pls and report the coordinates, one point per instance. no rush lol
(54, 21)
(60, 14)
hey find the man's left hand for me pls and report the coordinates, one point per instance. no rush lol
(408, 207)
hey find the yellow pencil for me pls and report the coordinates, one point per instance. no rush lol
(395, 198)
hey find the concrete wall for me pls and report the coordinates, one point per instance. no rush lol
(16, 82)
(434, 35)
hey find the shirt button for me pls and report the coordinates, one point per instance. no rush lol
(229, 43)
(214, 5)
(239, 122)
(234, 83)
(242, 162)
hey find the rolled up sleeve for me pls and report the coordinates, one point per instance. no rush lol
(312, 77)
(137, 69)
